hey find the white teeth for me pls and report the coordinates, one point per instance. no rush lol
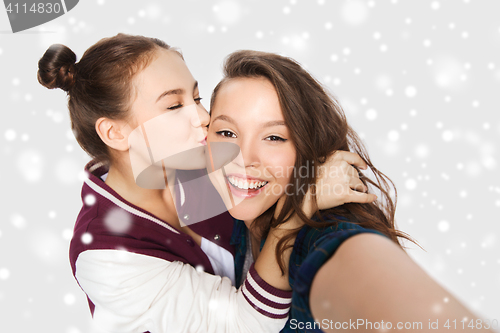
(244, 184)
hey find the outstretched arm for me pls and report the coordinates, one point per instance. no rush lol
(370, 279)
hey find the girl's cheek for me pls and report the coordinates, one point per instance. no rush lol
(210, 134)
(282, 166)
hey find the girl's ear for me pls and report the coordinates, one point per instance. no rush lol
(113, 133)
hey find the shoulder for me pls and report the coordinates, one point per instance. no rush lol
(107, 226)
(368, 250)
(315, 246)
(336, 230)
(342, 242)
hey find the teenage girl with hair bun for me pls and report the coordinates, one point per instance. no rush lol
(151, 273)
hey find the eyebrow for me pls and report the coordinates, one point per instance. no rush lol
(268, 124)
(178, 91)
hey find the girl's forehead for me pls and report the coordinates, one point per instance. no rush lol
(249, 101)
(166, 71)
(245, 91)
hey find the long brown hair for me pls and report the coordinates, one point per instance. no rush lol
(99, 85)
(318, 127)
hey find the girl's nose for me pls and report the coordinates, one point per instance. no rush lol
(195, 121)
(249, 155)
(203, 118)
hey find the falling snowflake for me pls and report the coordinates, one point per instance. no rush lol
(30, 163)
(86, 238)
(410, 91)
(118, 220)
(10, 135)
(89, 199)
(411, 184)
(354, 12)
(18, 221)
(443, 226)
(69, 299)
(4, 273)
(393, 135)
(371, 114)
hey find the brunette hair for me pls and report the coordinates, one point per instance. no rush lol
(318, 127)
(99, 85)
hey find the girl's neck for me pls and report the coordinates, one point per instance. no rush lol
(158, 202)
(122, 181)
(255, 239)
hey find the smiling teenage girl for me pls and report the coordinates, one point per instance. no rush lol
(345, 263)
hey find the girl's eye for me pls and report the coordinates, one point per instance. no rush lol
(175, 107)
(275, 138)
(226, 134)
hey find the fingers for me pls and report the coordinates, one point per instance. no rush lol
(360, 197)
(339, 169)
(351, 158)
(352, 172)
(357, 185)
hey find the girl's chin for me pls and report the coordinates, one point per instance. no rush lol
(245, 213)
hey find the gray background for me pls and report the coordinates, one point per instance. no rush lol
(419, 80)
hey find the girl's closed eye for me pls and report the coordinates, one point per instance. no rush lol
(175, 107)
(180, 105)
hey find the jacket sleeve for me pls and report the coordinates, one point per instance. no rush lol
(138, 293)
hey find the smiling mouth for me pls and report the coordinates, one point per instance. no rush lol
(243, 187)
(245, 184)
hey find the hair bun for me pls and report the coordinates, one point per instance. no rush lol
(56, 69)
